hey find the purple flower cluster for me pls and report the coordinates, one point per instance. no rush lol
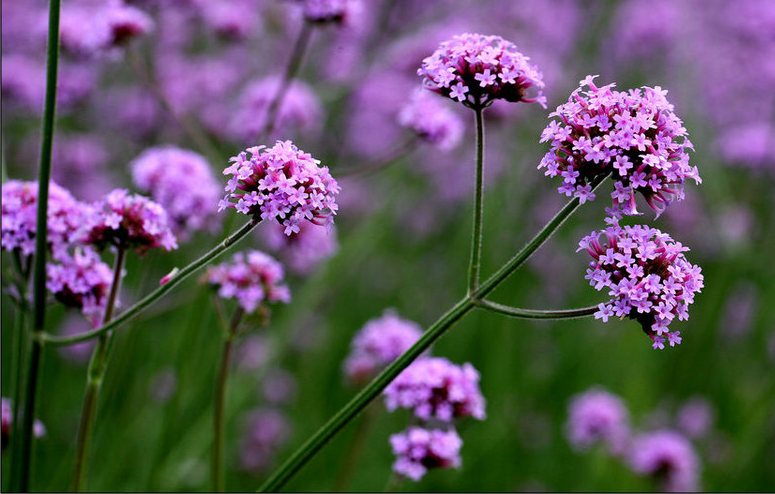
(475, 70)
(161, 171)
(436, 388)
(379, 343)
(281, 182)
(128, 221)
(420, 449)
(252, 278)
(431, 121)
(305, 249)
(668, 456)
(633, 135)
(345, 12)
(647, 275)
(597, 416)
(81, 281)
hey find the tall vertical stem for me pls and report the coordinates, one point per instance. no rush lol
(476, 240)
(95, 375)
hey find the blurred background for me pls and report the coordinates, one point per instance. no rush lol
(198, 75)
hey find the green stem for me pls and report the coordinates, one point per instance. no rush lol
(476, 240)
(95, 375)
(21, 480)
(375, 387)
(152, 297)
(536, 313)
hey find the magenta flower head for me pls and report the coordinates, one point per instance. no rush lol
(436, 388)
(81, 281)
(475, 70)
(162, 171)
(634, 135)
(304, 250)
(252, 278)
(431, 121)
(647, 276)
(282, 183)
(419, 450)
(667, 456)
(597, 416)
(129, 221)
(379, 343)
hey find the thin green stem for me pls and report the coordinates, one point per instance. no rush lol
(535, 313)
(94, 378)
(21, 480)
(152, 297)
(350, 410)
(476, 237)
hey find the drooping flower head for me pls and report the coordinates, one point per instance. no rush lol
(635, 136)
(81, 281)
(597, 416)
(282, 183)
(304, 250)
(436, 388)
(647, 276)
(182, 182)
(419, 450)
(130, 221)
(431, 121)
(476, 70)
(668, 456)
(379, 343)
(252, 278)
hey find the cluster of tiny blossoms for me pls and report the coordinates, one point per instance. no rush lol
(419, 449)
(647, 275)
(633, 135)
(252, 277)
(597, 416)
(667, 456)
(476, 70)
(431, 121)
(81, 281)
(282, 183)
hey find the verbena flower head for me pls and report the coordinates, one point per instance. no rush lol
(19, 215)
(81, 281)
(130, 221)
(597, 416)
(304, 250)
(647, 276)
(668, 456)
(476, 70)
(344, 12)
(282, 183)
(436, 388)
(266, 429)
(90, 30)
(431, 121)
(252, 278)
(379, 343)
(419, 450)
(163, 171)
(695, 418)
(635, 136)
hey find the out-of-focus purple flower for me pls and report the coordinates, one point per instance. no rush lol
(299, 111)
(695, 418)
(434, 387)
(282, 183)
(129, 221)
(644, 30)
(432, 121)
(379, 343)
(233, 20)
(265, 431)
(132, 110)
(79, 164)
(304, 250)
(81, 281)
(419, 450)
(343, 12)
(78, 353)
(647, 275)
(667, 456)
(19, 214)
(597, 416)
(739, 310)
(278, 386)
(633, 135)
(162, 170)
(253, 352)
(475, 70)
(252, 277)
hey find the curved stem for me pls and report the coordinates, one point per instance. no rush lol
(149, 299)
(95, 375)
(536, 313)
(476, 240)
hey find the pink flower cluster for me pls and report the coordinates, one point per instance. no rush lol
(420, 449)
(667, 455)
(282, 183)
(647, 275)
(633, 135)
(130, 221)
(431, 121)
(476, 70)
(81, 281)
(162, 171)
(304, 250)
(597, 416)
(252, 278)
